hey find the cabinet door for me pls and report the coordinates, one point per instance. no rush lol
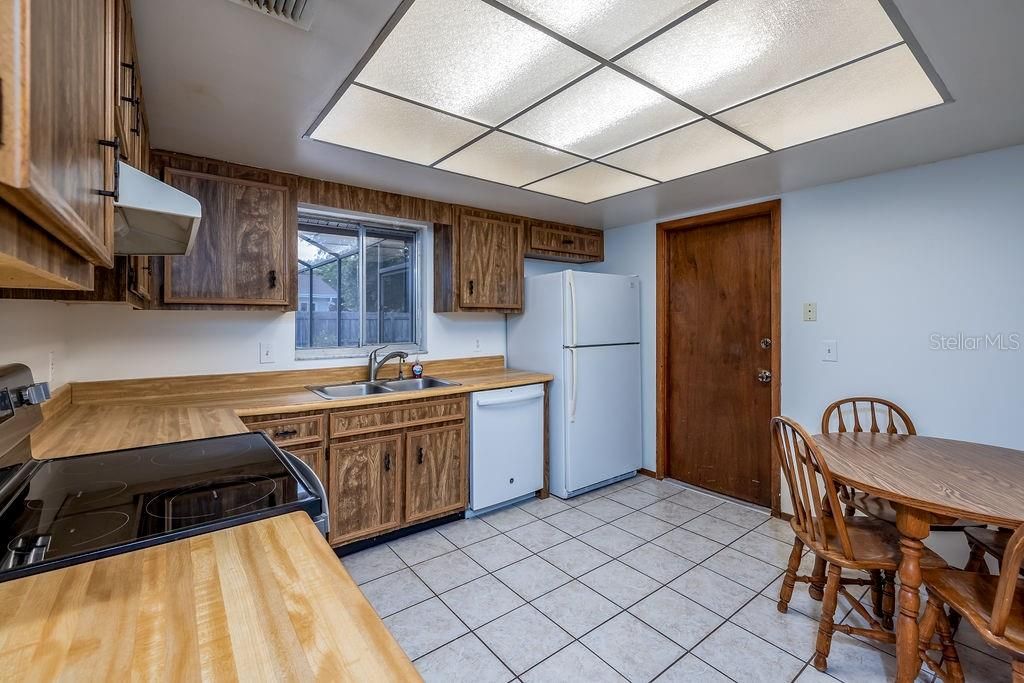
(138, 280)
(56, 111)
(491, 253)
(314, 457)
(435, 472)
(363, 487)
(240, 255)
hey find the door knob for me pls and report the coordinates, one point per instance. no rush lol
(764, 377)
(766, 343)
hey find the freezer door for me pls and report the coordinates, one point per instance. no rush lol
(602, 413)
(600, 309)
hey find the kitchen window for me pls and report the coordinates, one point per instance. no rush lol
(359, 285)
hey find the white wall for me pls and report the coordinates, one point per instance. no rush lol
(110, 341)
(890, 260)
(33, 332)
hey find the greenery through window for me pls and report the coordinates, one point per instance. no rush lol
(357, 284)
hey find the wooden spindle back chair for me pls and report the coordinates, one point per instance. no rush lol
(882, 415)
(860, 543)
(815, 503)
(994, 606)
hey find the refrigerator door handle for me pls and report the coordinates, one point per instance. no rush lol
(572, 304)
(575, 382)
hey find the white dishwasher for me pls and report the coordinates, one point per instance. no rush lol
(506, 459)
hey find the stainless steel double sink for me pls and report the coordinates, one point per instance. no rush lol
(358, 389)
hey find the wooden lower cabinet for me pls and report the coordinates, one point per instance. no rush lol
(365, 487)
(436, 477)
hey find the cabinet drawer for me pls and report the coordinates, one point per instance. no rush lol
(548, 241)
(351, 422)
(292, 430)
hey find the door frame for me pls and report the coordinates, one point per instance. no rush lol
(773, 210)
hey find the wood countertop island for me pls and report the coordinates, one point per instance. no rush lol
(265, 601)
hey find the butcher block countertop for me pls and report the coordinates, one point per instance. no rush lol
(265, 601)
(103, 416)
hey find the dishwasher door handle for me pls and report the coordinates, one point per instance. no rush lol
(485, 402)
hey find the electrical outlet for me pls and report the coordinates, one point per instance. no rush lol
(476, 344)
(266, 352)
(51, 367)
(830, 351)
(810, 312)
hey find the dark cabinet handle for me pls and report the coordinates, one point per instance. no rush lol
(387, 462)
(568, 242)
(272, 278)
(419, 456)
(133, 99)
(470, 287)
(114, 144)
(286, 432)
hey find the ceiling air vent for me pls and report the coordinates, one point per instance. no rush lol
(295, 12)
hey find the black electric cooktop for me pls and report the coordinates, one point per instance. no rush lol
(80, 508)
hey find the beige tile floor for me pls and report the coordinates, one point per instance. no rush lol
(641, 580)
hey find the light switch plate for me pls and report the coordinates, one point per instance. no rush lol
(266, 352)
(810, 312)
(829, 351)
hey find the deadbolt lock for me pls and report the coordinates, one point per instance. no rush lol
(764, 377)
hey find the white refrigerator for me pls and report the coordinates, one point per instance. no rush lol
(584, 328)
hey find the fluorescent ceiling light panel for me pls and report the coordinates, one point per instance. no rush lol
(470, 59)
(698, 147)
(507, 159)
(606, 27)
(602, 113)
(735, 50)
(587, 99)
(874, 89)
(366, 120)
(589, 183)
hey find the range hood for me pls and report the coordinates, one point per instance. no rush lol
(151, 217)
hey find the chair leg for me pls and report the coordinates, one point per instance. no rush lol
(950, 658)
(826, 625)
(786, 593)
(817, 585)
(888, 599)
(876, 592)
(976, 561)
(850, 511)
(1018, 671)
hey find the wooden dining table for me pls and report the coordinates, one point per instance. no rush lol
(928, 481)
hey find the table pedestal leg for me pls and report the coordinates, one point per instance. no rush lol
(913, 526)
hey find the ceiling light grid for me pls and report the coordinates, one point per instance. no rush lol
(587, 99)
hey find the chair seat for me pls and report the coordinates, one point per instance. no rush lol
(992, 540)
(973, 595)
(876, 545)
(882, 509)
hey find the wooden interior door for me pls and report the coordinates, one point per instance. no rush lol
(718, 350)
(491, 253)
(436, 477)
(363, 487)
(240, 255)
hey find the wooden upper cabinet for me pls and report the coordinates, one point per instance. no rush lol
(57, 90)
(436, 475)
(557, 242)
(241, 253)
(364, 486)
(478, 262)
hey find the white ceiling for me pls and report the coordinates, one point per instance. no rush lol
(222, 81)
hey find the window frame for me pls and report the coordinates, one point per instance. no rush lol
(372, 223)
